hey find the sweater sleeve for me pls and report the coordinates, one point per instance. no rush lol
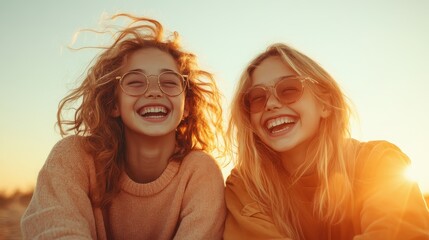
(244, 218)
(60, 207)
(392, 207)
(203, 207)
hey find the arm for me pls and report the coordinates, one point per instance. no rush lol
(392, 206)
(60, 207)
(244, 218)
(203, 207)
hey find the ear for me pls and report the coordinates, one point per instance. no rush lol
(115, 111)
(186, 110)
(326, 111)
(325, 105)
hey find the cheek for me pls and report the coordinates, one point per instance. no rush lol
(116, 109)
(122, 101)
(311, 106)
(181, 106)
(184, 104)
(312, 117)
(255, 121)
(125, 103)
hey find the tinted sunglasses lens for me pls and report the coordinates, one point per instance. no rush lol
(289, 90)
(255, 99)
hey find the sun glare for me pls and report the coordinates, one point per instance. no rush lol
(412, 174)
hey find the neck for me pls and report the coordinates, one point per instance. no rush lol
(147, 156)
(291, 160)
(294, 159)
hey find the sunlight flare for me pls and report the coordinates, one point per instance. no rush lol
(412, 173)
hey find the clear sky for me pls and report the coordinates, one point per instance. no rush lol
(377, 50)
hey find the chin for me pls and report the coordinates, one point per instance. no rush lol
(287, 146)
(157, 134)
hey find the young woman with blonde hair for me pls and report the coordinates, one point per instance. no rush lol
(298, 174)
(138, 163)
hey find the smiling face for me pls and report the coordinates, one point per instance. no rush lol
(287, 129)
(153, 113)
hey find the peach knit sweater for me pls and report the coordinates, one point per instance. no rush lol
(185, 202)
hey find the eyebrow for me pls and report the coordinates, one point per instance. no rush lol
(143, 71)
(275, 80)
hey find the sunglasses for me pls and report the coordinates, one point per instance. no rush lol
(287, 90)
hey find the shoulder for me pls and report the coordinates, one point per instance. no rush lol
(380, 157)
(200, 167)
(234, 179)
(381, 150)
(236, 190)
(200, 174)
(199, 160)
(235, 183)
(69, 144)
(68, 151)
(376, 147)
(68, 165)
(241, 205)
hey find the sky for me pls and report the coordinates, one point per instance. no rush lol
(376, 50)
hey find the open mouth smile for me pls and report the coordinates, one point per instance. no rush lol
(157, 111)
(280, 124)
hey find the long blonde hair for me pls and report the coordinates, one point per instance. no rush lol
(258, 165)
(104, 134)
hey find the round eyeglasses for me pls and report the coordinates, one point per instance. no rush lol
(287, 90)
(136, 83)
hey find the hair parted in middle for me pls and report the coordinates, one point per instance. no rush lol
(96, 97)
(258, 165)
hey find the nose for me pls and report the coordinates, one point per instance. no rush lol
(153, 90)
(272, 102)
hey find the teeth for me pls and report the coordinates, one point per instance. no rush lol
(153, 109)
(278, 121)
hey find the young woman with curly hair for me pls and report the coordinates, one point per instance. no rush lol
(138, 165)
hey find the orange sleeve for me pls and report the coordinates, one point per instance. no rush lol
(391, 206)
